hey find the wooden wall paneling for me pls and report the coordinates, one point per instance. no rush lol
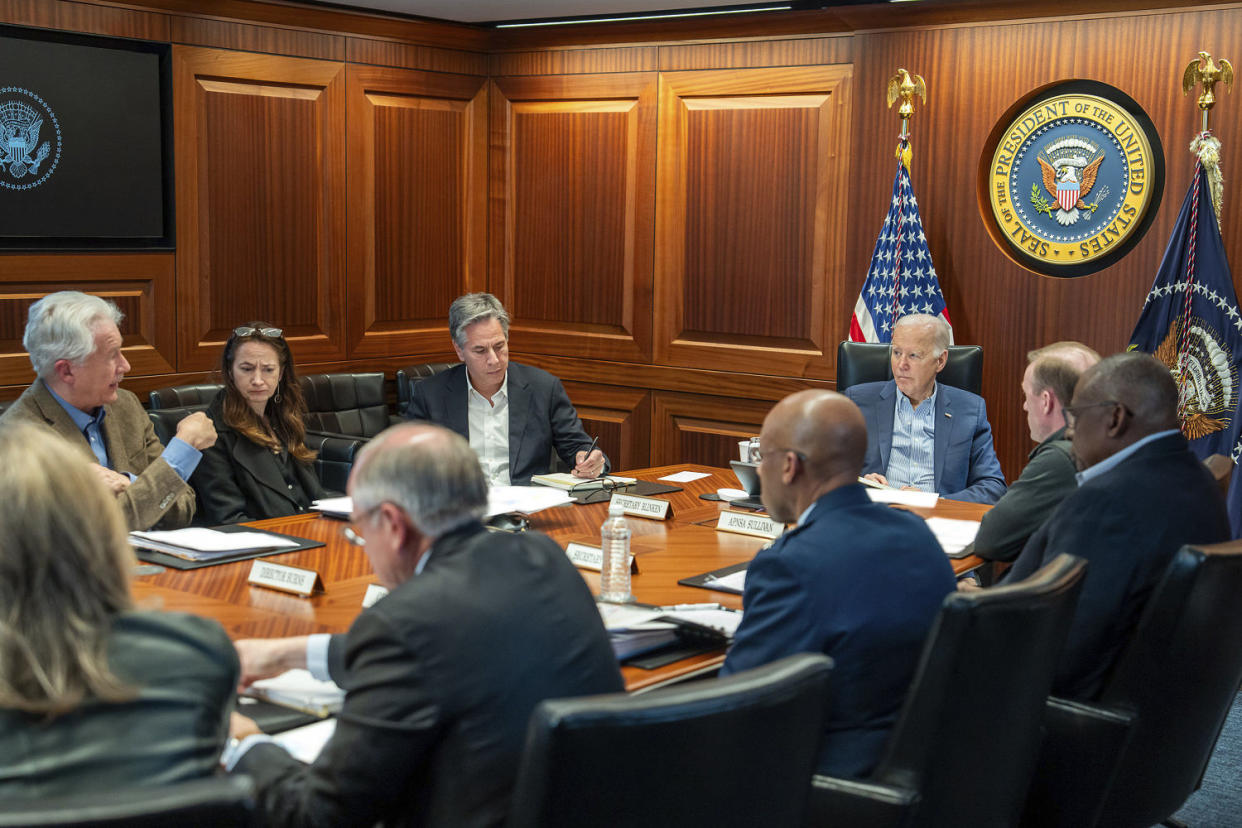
(403, 55)
(141, 284)
(85, 17)
(994, 302)
(576, 61)
(697, 428)
(417, 205)
(750, 215)
(572, 195)
(621, 417)
(743, 54)
(260, 164)
(280, 40)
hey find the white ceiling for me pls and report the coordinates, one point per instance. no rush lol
(482, 11)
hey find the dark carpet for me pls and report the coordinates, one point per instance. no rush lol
(1218, 803)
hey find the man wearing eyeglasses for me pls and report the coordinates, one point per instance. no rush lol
(75, 347)
(1142, 495)
(441, 675)
(855, 580)
(925, 435)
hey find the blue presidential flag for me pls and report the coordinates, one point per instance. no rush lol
(1190, 322)
(901, 279)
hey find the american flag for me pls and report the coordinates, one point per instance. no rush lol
(901, 279)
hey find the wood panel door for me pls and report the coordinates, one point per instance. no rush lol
(697, 428)
(417, 200)
(141, 284)
(260, 162)
(572, 191)
(750, 209)
(620, 417)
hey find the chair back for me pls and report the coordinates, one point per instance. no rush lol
(969, 732)
(859, 362)
(165, 420)
(334, 458)
(181, 396)
(349, 404)
(226, 801)
(1180, 674)
(737, 751)
(412, 375)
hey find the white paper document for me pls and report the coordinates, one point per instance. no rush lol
(200, 544)
(304, 743)
(684, 476)
(733, 582)
(524, 500)
(300, 690)
(339, 507)
(954, 535)
(926, 500)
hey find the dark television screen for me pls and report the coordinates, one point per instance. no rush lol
(85, 142)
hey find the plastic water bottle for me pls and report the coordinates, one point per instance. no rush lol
(614, 576)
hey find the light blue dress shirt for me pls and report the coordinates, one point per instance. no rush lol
(911, 458)
(178, 453)
(1113, 460)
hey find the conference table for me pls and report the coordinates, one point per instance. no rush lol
(685, 544)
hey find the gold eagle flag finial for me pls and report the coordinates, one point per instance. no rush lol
(1206, 72)
(905, 86)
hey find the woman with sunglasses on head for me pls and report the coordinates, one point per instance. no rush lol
(260, 466)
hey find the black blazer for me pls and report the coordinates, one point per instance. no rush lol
(1128, 523)
(540, 417)
(239, 480)
(441, 676)
(184, 673)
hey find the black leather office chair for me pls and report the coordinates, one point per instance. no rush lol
(351, 405)
(1132, 757)
(165, 420)
(182, 396)
(965, 744)
(225, 801)
(335, 459)
(737, 751)
(859, 362)
(412, 375)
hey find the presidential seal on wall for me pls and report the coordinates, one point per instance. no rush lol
(29, 139)
(1073, 177)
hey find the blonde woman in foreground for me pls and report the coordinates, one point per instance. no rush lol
(94, 694)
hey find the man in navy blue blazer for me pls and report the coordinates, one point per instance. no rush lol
(513, 415)
(855, 580)
(924, 435)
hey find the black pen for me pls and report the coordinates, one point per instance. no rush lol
(591, 449)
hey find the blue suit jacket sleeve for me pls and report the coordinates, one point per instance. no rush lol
(985, 481)
(776, 621)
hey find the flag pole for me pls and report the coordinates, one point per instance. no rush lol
(905, 86)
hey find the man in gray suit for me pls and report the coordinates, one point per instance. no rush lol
(75, 346)
(513, 415)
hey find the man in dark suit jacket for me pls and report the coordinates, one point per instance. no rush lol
(442, 674)
(75, 347)
(924, 435)
(855, 580)
(513, 415)
(1142, 495)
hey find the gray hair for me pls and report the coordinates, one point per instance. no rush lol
(942, 335)
(471, 308)
(437, 482)
(62, 326)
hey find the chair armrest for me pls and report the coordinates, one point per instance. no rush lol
(836, 801)
(336, 457)
(1078, 761)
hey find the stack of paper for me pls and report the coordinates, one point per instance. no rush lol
(198, 544)
(300, 690)
(635, 629)
(954, 535)
(926, 500)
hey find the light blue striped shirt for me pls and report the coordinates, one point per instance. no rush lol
(911, 458)
(1113, 460)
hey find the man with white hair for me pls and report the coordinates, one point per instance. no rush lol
(441, 675)
(929, 437)
(75, 347)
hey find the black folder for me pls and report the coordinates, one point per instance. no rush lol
(173, 562)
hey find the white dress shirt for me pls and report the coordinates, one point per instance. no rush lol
(489, 431)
